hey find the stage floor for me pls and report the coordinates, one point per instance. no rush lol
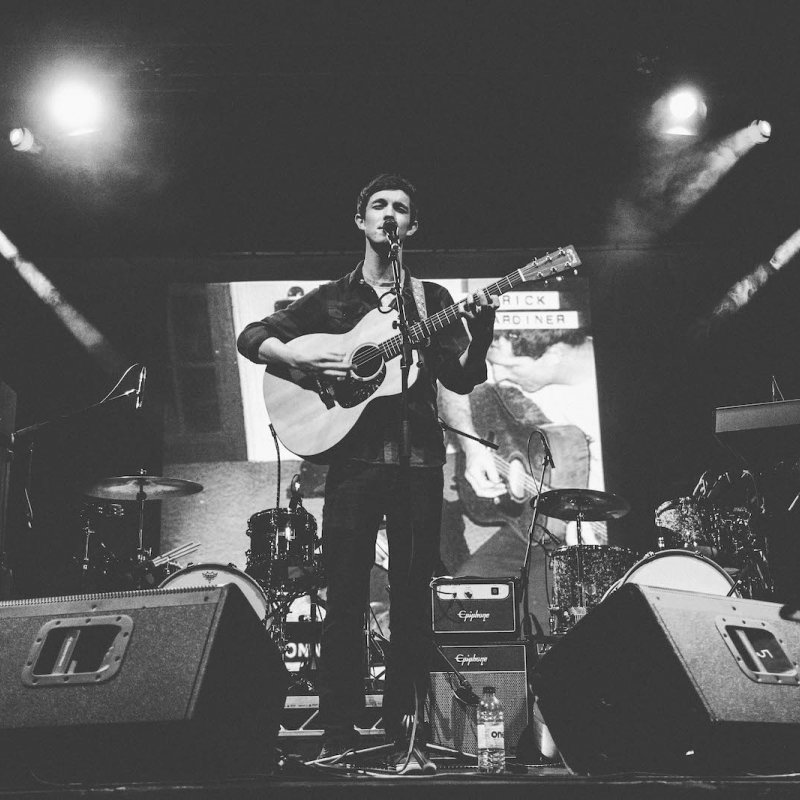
(541, 783)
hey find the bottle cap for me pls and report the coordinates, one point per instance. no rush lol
(489, 689)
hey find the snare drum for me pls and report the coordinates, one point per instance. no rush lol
(678, 569)
(204, 575)
(572, 597)
(283, 549)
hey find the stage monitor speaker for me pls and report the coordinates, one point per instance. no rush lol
(138, 685)
(502, 665)
(668, 681)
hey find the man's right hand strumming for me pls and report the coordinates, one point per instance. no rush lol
(307, 357)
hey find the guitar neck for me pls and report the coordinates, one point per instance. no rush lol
(548, 266)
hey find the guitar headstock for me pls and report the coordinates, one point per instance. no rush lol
(552, 265)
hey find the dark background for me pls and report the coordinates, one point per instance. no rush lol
(243, 129)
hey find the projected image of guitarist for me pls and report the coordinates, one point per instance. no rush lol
(543, 379)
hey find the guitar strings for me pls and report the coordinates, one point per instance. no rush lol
(391, 347)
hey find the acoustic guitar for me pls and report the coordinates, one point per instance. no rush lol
(312, 414)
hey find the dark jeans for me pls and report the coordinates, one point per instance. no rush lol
(357, 496)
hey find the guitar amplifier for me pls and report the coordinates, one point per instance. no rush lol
(467, 608)
(503, 665)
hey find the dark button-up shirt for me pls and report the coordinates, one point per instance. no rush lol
(337, 307)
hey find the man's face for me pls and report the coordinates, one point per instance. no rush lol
(381, 206)
(530, 374)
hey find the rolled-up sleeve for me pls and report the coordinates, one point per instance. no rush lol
(447, 347)
(300, 318)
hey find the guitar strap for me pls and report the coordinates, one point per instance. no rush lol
(418, 290)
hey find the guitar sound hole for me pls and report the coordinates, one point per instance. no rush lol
(367, 362)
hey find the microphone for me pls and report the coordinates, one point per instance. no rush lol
(390, 229)
(140, 387)
(466, 694)
(548, 455)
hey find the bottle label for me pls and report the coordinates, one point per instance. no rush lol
(490, 736)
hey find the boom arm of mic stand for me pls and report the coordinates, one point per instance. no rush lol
(35, 428)
(485, 442)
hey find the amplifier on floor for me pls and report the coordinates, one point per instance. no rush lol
(668, 681)
(463, 608)
(134, 685)
(502, 665)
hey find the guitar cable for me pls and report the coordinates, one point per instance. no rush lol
(278, 454)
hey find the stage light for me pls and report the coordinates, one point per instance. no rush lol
(23, 141)
(760, 130)
(683, 105)
(683, 113)
(76, 107)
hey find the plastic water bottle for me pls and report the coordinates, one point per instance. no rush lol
(491, 733)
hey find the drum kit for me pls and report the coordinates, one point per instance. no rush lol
(283, 562)
(108, 565)
(582, 573)
(703, 546)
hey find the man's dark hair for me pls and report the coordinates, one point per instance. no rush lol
(387, 181)
(534, 343)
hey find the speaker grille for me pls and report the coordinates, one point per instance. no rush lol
(505, 667)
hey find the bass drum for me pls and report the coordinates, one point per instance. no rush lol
(204, 575)
(678, 569)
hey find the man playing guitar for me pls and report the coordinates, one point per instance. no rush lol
(366, 482)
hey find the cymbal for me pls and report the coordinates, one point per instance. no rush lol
(130, 487)
(589, 504)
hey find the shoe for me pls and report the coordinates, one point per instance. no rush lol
(336, 744)
(417, 763)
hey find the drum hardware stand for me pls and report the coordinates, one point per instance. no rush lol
(303, 681)
(754, 562)
(581, 588)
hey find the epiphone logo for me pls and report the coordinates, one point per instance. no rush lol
(472, 659)
(470, 616)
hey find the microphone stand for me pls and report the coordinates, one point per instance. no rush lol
(29, 433)
(527, 628)
(405, 351)
(485, 442)
(405, 431)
